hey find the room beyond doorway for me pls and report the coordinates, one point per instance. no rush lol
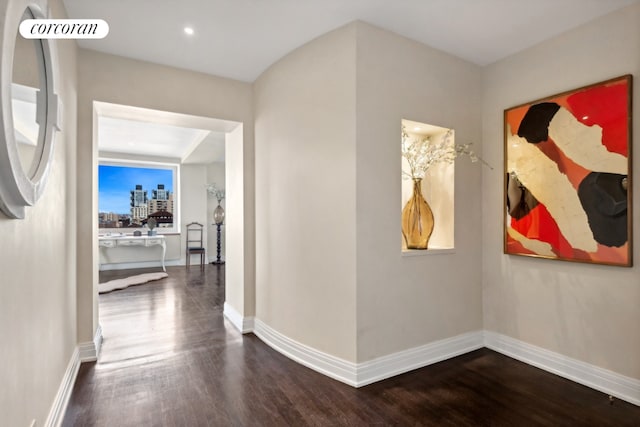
(191, 183)
(158, 164)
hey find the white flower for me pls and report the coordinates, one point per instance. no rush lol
(216, 192)
(423, 153)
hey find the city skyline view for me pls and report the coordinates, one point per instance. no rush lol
(116, 182)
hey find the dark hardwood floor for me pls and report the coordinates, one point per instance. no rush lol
(170, 359)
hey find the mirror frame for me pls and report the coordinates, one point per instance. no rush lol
(17, 188)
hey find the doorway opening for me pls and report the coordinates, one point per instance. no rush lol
(152, 172)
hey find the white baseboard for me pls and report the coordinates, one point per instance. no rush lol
(84, 352)
(361, 374)
(59, 407)
(331, 366)
(417, 357)
(90, 350)
(620, 386)
(243, 324)
(97, 340)
(141, 264)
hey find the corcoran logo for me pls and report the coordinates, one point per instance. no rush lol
(64, 29)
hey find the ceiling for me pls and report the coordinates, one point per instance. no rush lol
(141, 138)
(134, 131)
(239, 39)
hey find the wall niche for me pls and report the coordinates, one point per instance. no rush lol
(437, 183)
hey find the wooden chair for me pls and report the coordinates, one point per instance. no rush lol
(195, 233)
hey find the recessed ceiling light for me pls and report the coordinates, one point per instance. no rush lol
(188, 31)
(417, 128)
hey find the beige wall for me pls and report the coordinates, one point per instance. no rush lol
(193, 202)
(330, 270)
(405, 302)
(119, 80)
(328, 195)
(306, 195)
(588, 312)
(37, 289)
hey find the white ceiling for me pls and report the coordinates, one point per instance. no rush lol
(133, 137)
(239, 39)
(143, 132)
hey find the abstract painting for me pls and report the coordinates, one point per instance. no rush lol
(568, 175)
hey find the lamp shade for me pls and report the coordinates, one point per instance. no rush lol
(218, 215)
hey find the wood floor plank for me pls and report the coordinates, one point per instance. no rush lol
(169, 358)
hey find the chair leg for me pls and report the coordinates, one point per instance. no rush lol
(188, 258)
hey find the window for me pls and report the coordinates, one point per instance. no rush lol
(130, 193)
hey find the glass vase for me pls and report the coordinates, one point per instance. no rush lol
(417, 219)
(218, 214)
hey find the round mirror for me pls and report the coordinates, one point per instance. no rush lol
(29, 112)
(28, 99)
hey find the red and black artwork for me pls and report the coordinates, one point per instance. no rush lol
(568, 183)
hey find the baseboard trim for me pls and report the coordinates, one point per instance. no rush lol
(331, 366)
(414, 358)
(90, 350)
(141, 264)
(242, 324)
(59, 407)
(97, 340)
(620, 386)
(361, 374)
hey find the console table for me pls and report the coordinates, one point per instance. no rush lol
(134, 241)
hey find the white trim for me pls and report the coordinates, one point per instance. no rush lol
(361, 374)
(97, 340)
(417, 357)
(89, 351)
(620, 386)
(331, 366)
(242, 324)
(141, 264)
(248, 325)
(59, 407)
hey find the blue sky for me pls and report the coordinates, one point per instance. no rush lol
(116, 182)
